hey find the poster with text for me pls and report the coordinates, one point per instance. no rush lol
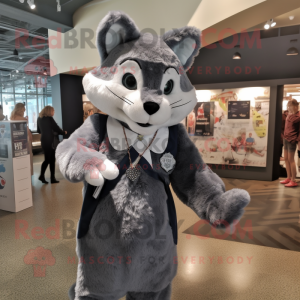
(19, 139)
(241, 141)
(201, 120)
(238, 110)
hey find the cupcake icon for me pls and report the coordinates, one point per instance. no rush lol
(39, 258)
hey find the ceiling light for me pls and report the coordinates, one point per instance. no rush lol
(236, 55)
(31, 4)
(270, 23)
(58, 6)
(291, 17)
(17, 71)
(292, 51)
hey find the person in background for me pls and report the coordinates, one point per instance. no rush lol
(2, 117)
(48, 128)
(290, 139)
(250, 142)
(282, 133)
(18, 115)
(88, 110)
(299, 153)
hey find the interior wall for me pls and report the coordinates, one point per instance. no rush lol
(265, 59)
(67, 91)
(56, 99)
(156, 15)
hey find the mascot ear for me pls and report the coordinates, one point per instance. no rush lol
(115, 28)
(185, 42)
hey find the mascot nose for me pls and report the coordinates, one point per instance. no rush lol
(151, 107)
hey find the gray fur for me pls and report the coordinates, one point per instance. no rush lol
(185, 83)
(150, 95)
(131, 31)
(132, 208)
(174, 37)
(212, 203)
(71, 155)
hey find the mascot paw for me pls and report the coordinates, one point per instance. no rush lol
(228, 209)
(106, 170)
(94, 177)
(110, 170)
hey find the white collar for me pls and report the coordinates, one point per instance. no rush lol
(117, 140)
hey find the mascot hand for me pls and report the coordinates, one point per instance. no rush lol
(228, 208)
(106, 170)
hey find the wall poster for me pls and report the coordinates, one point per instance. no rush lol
(238, 110)
(239, 132)
(19, 139)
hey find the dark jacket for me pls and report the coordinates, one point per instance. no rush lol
(292, 128)
(47, 127)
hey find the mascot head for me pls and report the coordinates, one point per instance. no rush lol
(142, 81)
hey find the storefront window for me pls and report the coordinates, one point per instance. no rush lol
(20, 98)
(41, 102)
(31, 89)
(7, 88)
(35, 97)
(49, 87)
(8, 104)
(49, 100)
(231, 126)
(20, 86)
(32, 110)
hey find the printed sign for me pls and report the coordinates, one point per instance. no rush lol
(238, 110)
(201, 119)
(19, 139)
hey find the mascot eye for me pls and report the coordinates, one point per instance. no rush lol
(169, 87)
(129, 81)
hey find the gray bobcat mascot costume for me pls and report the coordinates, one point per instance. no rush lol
(127, 232)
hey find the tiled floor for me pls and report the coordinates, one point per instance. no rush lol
(207, 268)
(271, 219)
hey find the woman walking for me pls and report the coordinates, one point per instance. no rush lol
(18, 115)
(49, 131)
(290, 139)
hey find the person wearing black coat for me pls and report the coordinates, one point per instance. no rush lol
(49, 131)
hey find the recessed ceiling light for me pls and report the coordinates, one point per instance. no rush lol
(292, 51)
(237, 55)
(31, 4)
(291, 17)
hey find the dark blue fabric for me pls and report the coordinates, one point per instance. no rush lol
(90, 203)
